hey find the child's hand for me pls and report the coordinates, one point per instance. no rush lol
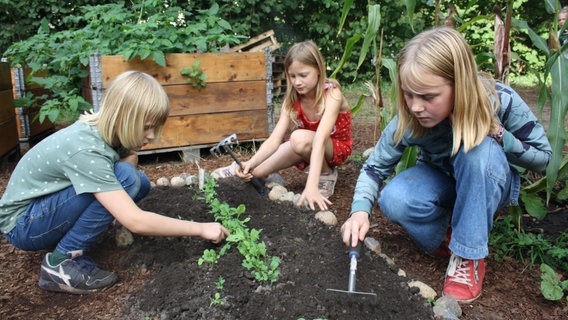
(355, 228)
(313, 197)
(245, 171)
(213, 231)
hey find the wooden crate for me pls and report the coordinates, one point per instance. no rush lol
(30, 129)
(278, 76)
(262, 42)
(233, 101)
(9, 143)
(265, 40)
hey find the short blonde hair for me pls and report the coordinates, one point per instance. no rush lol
(132, 100)
(443, 52)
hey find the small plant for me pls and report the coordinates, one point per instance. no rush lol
(508, 241)
(216, 298)
(195, 75)
(220, 283)
(550, 286)
(255, 259)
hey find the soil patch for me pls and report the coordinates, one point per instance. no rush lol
(312, 259)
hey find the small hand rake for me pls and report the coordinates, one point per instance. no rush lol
(357, 296)
(226, 145)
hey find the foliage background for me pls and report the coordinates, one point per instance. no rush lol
(297, 20)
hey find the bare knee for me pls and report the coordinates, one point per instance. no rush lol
(301, 141)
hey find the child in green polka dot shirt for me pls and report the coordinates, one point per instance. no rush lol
(68, 189)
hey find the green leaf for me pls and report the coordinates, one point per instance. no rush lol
(550, 285)
(410, 6)
(357, 107)
(537, 40)
(347, 53)
(159, 57)
(556, 129)
(534, 205)
(371, 33)
(346, 7)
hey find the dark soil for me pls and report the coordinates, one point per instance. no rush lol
(312, 259)
(160, 277)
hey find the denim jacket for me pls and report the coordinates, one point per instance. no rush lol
(525, 144)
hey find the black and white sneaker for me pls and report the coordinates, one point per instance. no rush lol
(80, 275)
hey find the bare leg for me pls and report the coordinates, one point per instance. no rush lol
(298, 148)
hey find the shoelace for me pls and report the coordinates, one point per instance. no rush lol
(458, 270)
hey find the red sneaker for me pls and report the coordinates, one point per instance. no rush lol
(464, 279)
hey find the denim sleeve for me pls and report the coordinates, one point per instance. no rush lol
(525, 142)
(378, 167)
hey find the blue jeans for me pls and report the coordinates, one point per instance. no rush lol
(425, 200)
(69, 221)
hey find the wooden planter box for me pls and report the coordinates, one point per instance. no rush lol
(30, 129)
(9, 143)
(237, 97)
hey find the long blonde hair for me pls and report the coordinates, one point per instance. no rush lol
(443, 52)
(307, 53)
(133, 99)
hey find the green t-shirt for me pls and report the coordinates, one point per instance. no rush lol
(74, 156)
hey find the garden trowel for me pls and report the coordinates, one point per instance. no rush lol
(226, 145)
(357, 296)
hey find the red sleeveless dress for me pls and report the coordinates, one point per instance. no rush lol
(340, 135)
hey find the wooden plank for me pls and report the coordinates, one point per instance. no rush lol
(217, 97)
(5, 76)
(32, 86)
(211, 128)
(267, 35)
(6, 105)
(264, 45)
(9, 134)
(218, 67)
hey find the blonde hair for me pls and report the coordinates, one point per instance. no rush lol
(133, 99)
(307, 53)
(443, 52)
(563, 10)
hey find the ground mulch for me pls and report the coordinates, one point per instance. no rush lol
(160, 277)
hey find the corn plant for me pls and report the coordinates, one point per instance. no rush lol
(556, 69)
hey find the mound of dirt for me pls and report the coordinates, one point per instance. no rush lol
(313, 258)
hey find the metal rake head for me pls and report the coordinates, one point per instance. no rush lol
(221, 147)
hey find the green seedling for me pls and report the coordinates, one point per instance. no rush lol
(216, 299)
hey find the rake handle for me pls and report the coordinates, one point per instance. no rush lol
(255, 181)
(354, 256)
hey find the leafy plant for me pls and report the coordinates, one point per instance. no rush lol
(147, 30)
(195, 75)
(550, 286)
(220, 283)
(507, 240)
(216, 298)
(255, 258)
(557, 69)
